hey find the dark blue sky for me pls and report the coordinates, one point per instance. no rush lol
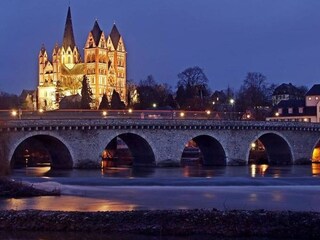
(227, 38)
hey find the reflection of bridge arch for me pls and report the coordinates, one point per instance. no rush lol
(277, 148)
(56, 149)
(141, 151)
(211, 150)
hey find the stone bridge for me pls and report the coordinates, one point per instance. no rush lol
(71, 143)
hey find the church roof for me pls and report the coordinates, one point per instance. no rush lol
(68, 37)
(96, 32)
(115, 36)
(78, 69)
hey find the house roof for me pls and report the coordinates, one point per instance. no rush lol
(315, 90)
(285, 88)
(291, 103)
(68, 37)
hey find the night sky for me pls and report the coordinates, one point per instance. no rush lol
(227, 38)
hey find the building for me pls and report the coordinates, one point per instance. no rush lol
(104, 63)
(307, 110)
(286, 92)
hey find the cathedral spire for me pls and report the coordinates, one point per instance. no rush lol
(115, 36)
(96, 32)
(68, 37)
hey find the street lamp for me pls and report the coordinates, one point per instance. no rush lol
(154, 105)
(232, 102)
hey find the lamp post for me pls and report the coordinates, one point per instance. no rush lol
(232, 102)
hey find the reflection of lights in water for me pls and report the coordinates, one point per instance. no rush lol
(277, 196)
(253, 197)
(37, 171)
(69, 203)
(253, 170)
(258, 169)
(315, 168)
(209, 195)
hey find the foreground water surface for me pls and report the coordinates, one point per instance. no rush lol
(225, 188)
(247, 187)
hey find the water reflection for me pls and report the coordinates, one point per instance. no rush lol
(208, 172)
(70, 203)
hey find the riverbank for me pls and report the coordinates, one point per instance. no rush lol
(259, 223)
(12, 189)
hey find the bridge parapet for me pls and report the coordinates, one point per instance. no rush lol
(88, 124)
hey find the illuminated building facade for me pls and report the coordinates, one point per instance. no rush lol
(104, 64)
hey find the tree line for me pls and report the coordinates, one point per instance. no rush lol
(192, 93)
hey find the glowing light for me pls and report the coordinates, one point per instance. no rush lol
(41, 110)
(130, 110)
(154, 105)
(305, 119)
(104, 113)
(253, 145)
(248, 116)
(208, 112)
(277, 114)
(14, 113)
(231, 101)
(213, 103)
(182, 114)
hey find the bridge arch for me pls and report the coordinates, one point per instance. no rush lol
(211, 150)
(140, 151)
(56, 149)
(277, 149)
(315, 154)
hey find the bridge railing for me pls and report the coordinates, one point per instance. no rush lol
(126, 113)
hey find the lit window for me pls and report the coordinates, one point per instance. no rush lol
(317, 98)
(290, 110)
(300, 109)
(280, 110)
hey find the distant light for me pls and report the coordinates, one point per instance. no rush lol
(208, 112)
(248, 116)
(104, 113)
(14, 113)
(213, 103)
(130, 110)
(154, 105)
(253, 145)
(305, 120)
(182, 114)
(231, 101)
(41, 110)
(277, 114)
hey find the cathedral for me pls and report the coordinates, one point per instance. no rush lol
(104, 64)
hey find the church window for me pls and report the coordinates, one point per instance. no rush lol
(69, 59)
(69, 52)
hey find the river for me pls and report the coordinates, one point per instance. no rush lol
(240, 187)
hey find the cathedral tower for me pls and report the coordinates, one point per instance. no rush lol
(104, 64)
